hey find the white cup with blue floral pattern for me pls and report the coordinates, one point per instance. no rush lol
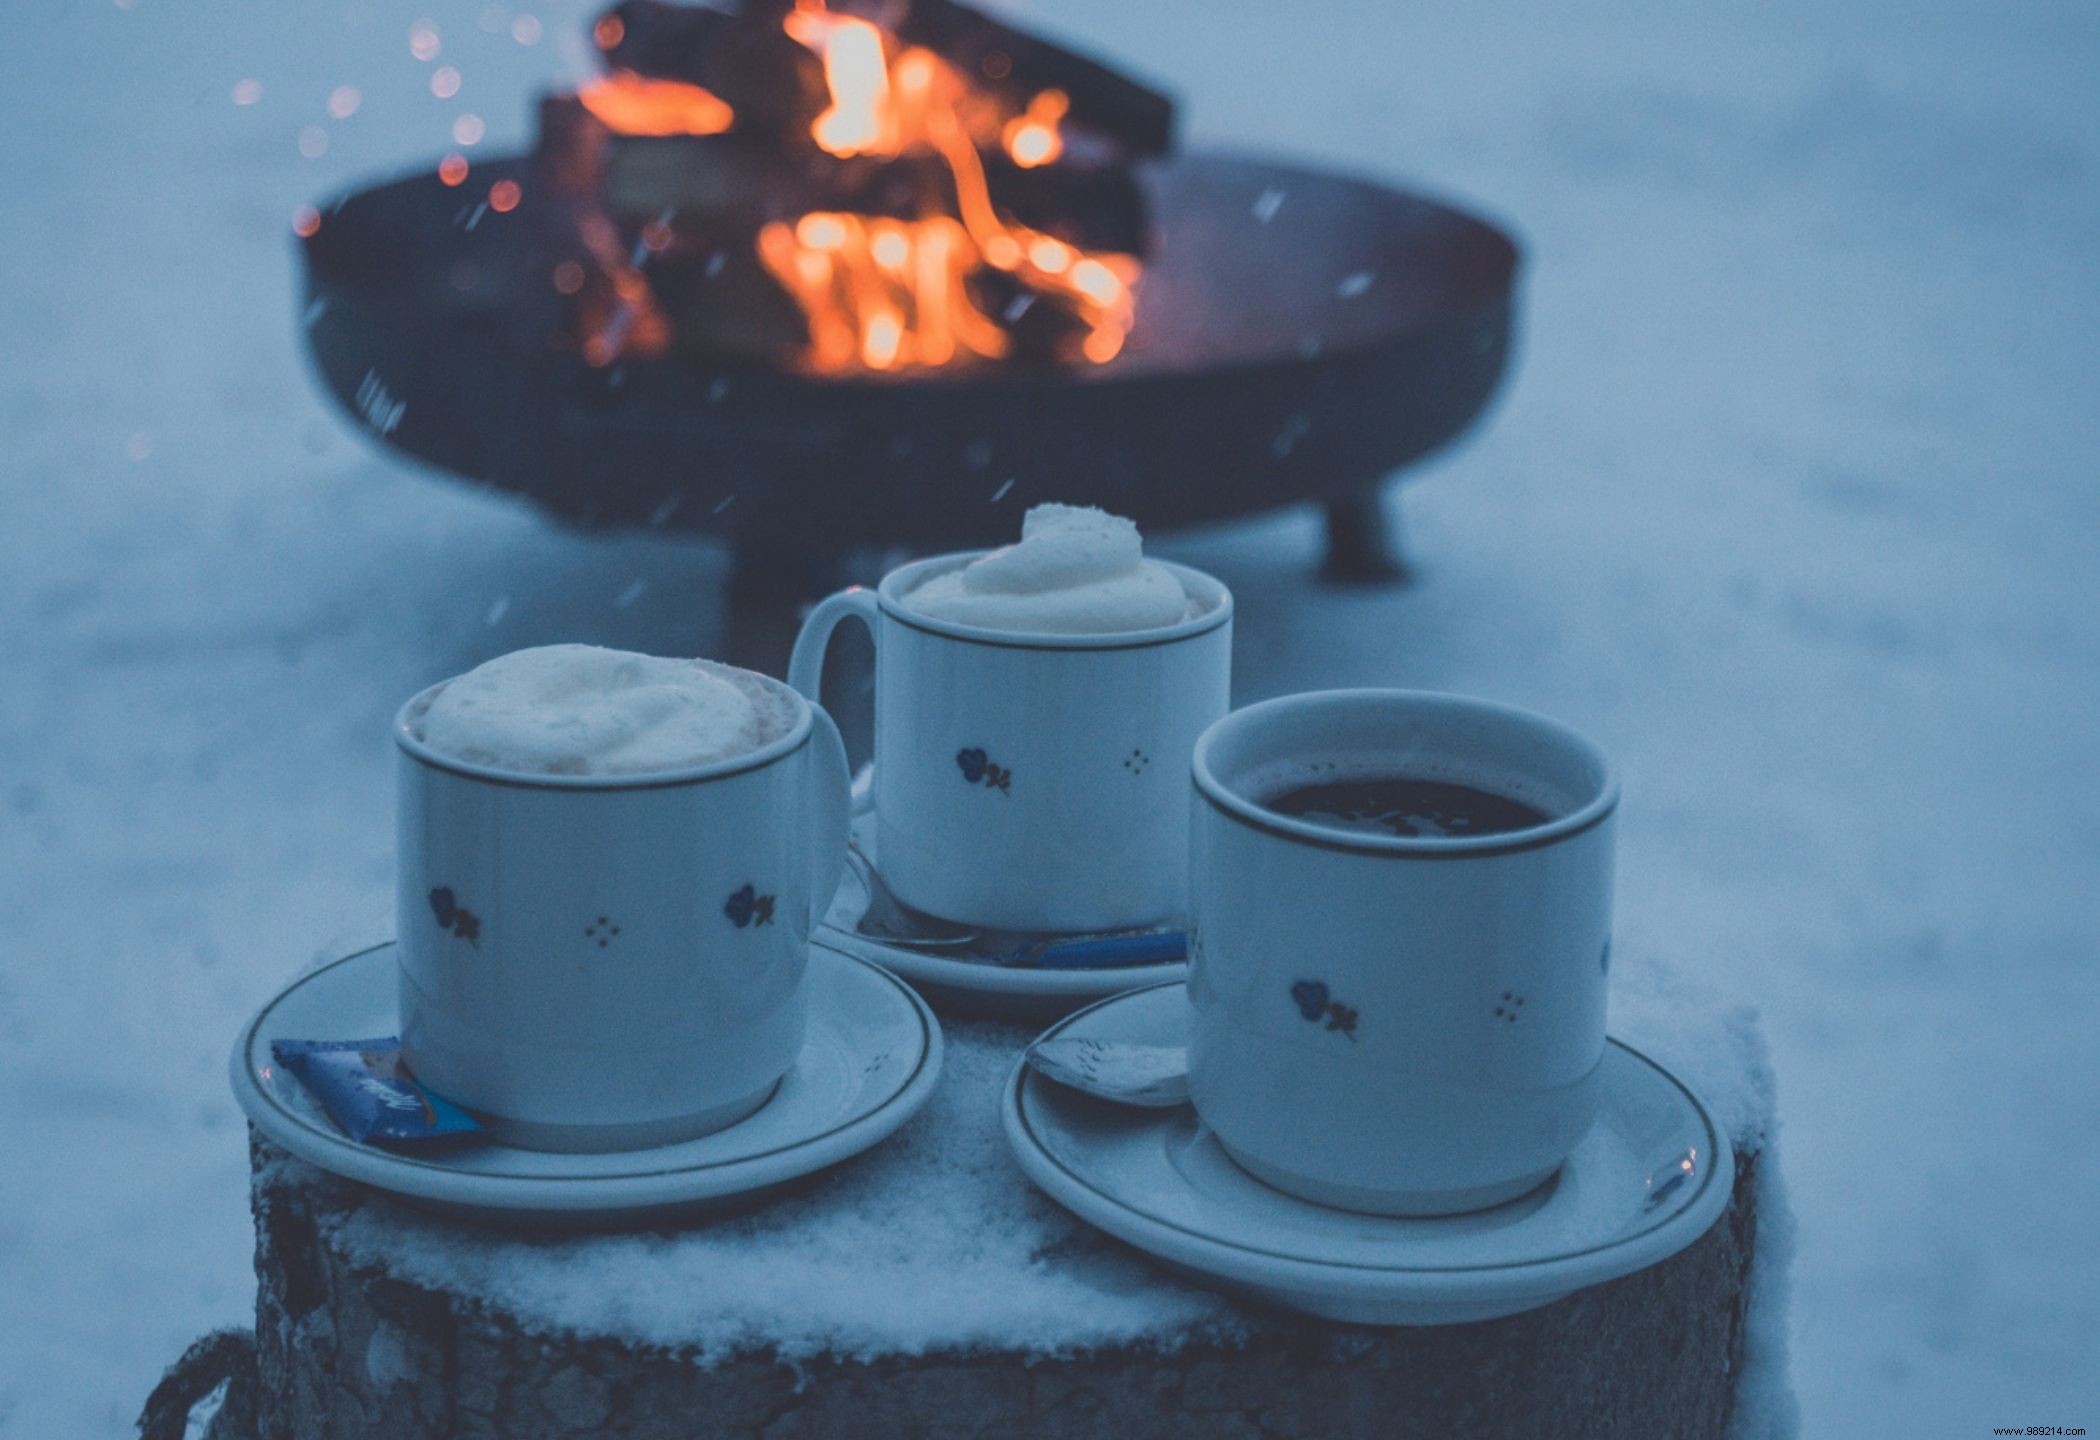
(608, 962)
(1033, 781)
(1391, 1023)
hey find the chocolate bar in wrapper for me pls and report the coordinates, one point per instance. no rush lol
(368, 1090)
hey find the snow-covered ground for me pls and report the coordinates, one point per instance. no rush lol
(1792, 503)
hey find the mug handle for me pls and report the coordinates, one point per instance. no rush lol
(806, 664)
(832, 814)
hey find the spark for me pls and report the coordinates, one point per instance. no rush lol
(526, 30)
(306, 222)
(504, 196)
(343, 101)
(313, 142)
(453, 169)
(423, 40)
(444, 82)
(247, 92)
(468, 130)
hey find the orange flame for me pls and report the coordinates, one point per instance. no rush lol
(1032, 137)
(880, 293)
(886, 294)
(635, 105)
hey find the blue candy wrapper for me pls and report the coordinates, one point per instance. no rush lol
(367, 1089)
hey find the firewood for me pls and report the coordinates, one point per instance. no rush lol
(1093, 208)
(1019, 65)
(772, 82)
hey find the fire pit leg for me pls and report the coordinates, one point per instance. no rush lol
(1363, 541)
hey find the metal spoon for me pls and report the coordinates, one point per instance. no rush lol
(1154, 1077)
(891, 921)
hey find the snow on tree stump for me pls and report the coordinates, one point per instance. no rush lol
(927, 1290)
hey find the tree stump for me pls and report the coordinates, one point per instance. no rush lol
(926, 1290)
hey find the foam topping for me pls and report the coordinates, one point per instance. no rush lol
(1076, 571)
(585, 710)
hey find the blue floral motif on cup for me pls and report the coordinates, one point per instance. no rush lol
(1316, 1002)
(451, 915)
(748, 907)
(978, 767)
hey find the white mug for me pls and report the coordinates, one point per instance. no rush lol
(1032, 781)
(1398, 1025)
(606, 962)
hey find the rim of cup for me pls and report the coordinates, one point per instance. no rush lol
(1195, 583)
(797, 734)
(1593, 811)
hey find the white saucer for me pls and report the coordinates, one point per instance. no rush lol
(1158, 1180)
(959, 985)
(870, 1061)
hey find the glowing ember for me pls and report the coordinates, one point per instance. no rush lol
(306, 222)
(632, 105)
(504, 196)
(453, 169)
(1032, 139)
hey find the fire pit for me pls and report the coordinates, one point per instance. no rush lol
(1245, 334)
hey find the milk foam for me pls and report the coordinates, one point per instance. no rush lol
(1076, 571)
(584, 710)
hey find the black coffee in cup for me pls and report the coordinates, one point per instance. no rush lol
(1404, 805)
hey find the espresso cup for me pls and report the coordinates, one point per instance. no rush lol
(1032, 781)
(607, 962)
(1401, 1025)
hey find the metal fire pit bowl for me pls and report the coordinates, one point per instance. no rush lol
(1300, 336)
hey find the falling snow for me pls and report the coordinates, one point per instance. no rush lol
(1788, 501)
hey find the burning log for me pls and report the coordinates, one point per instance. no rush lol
(772, 82)
(749, 60)
(894, 202)
(641, 178)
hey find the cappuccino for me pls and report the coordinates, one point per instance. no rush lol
(585, 710)
(1077, 570)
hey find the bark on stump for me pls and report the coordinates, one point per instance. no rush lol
(346, 1351)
